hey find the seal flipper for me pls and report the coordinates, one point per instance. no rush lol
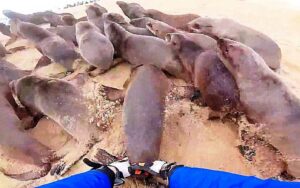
(31, 175)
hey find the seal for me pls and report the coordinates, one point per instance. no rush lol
(143, 126)
(10, 133)
(227, 28)
(94, 15)
(161, 30)
(57, 99)
(66, 32)
(5, 30)
(63, 103)
(117, 18)
(134, 10)
(94, 47)
(209, 75)
(3, 51)
(51, 45)
(177, 21)
(69, 20)
(157, 52)
(266, 100)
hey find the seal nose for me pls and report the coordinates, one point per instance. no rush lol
(168, 37)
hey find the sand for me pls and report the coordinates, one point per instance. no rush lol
(188, 137)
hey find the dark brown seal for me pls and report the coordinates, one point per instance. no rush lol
(266, 100)
(161, 29)
(11, 134)
(134, 10)
(50, 44)
(143, 114)
(5, 30)
(227, 28)
(209, 75)
(139, 49)
(94, 47)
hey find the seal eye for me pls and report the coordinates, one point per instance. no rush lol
(174, 43)
(197, 26)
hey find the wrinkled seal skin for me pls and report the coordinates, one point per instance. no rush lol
(143, 114)
(209, 75)
(119, 19)
(94, 47)
(227, 28)
(36, 18)
(139, 49)
(94, 15)
(266, 100)
(134, 10)
(50, 44)
(11, 135)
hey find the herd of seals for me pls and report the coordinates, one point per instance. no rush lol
(232, 67)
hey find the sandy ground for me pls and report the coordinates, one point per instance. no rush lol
(188, 137)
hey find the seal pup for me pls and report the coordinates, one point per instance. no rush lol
(94, 15)
(117, 18)
(5, 30)
(157, 52)
(3, 51)
(227, 28)
(11, 134)
(69, 20)
(143, 114)
(161, 30)
(140, 22)
(63, 103)
(134, 10)
(209, 75)
(266, 100)
(94, 47)
(50, 44)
